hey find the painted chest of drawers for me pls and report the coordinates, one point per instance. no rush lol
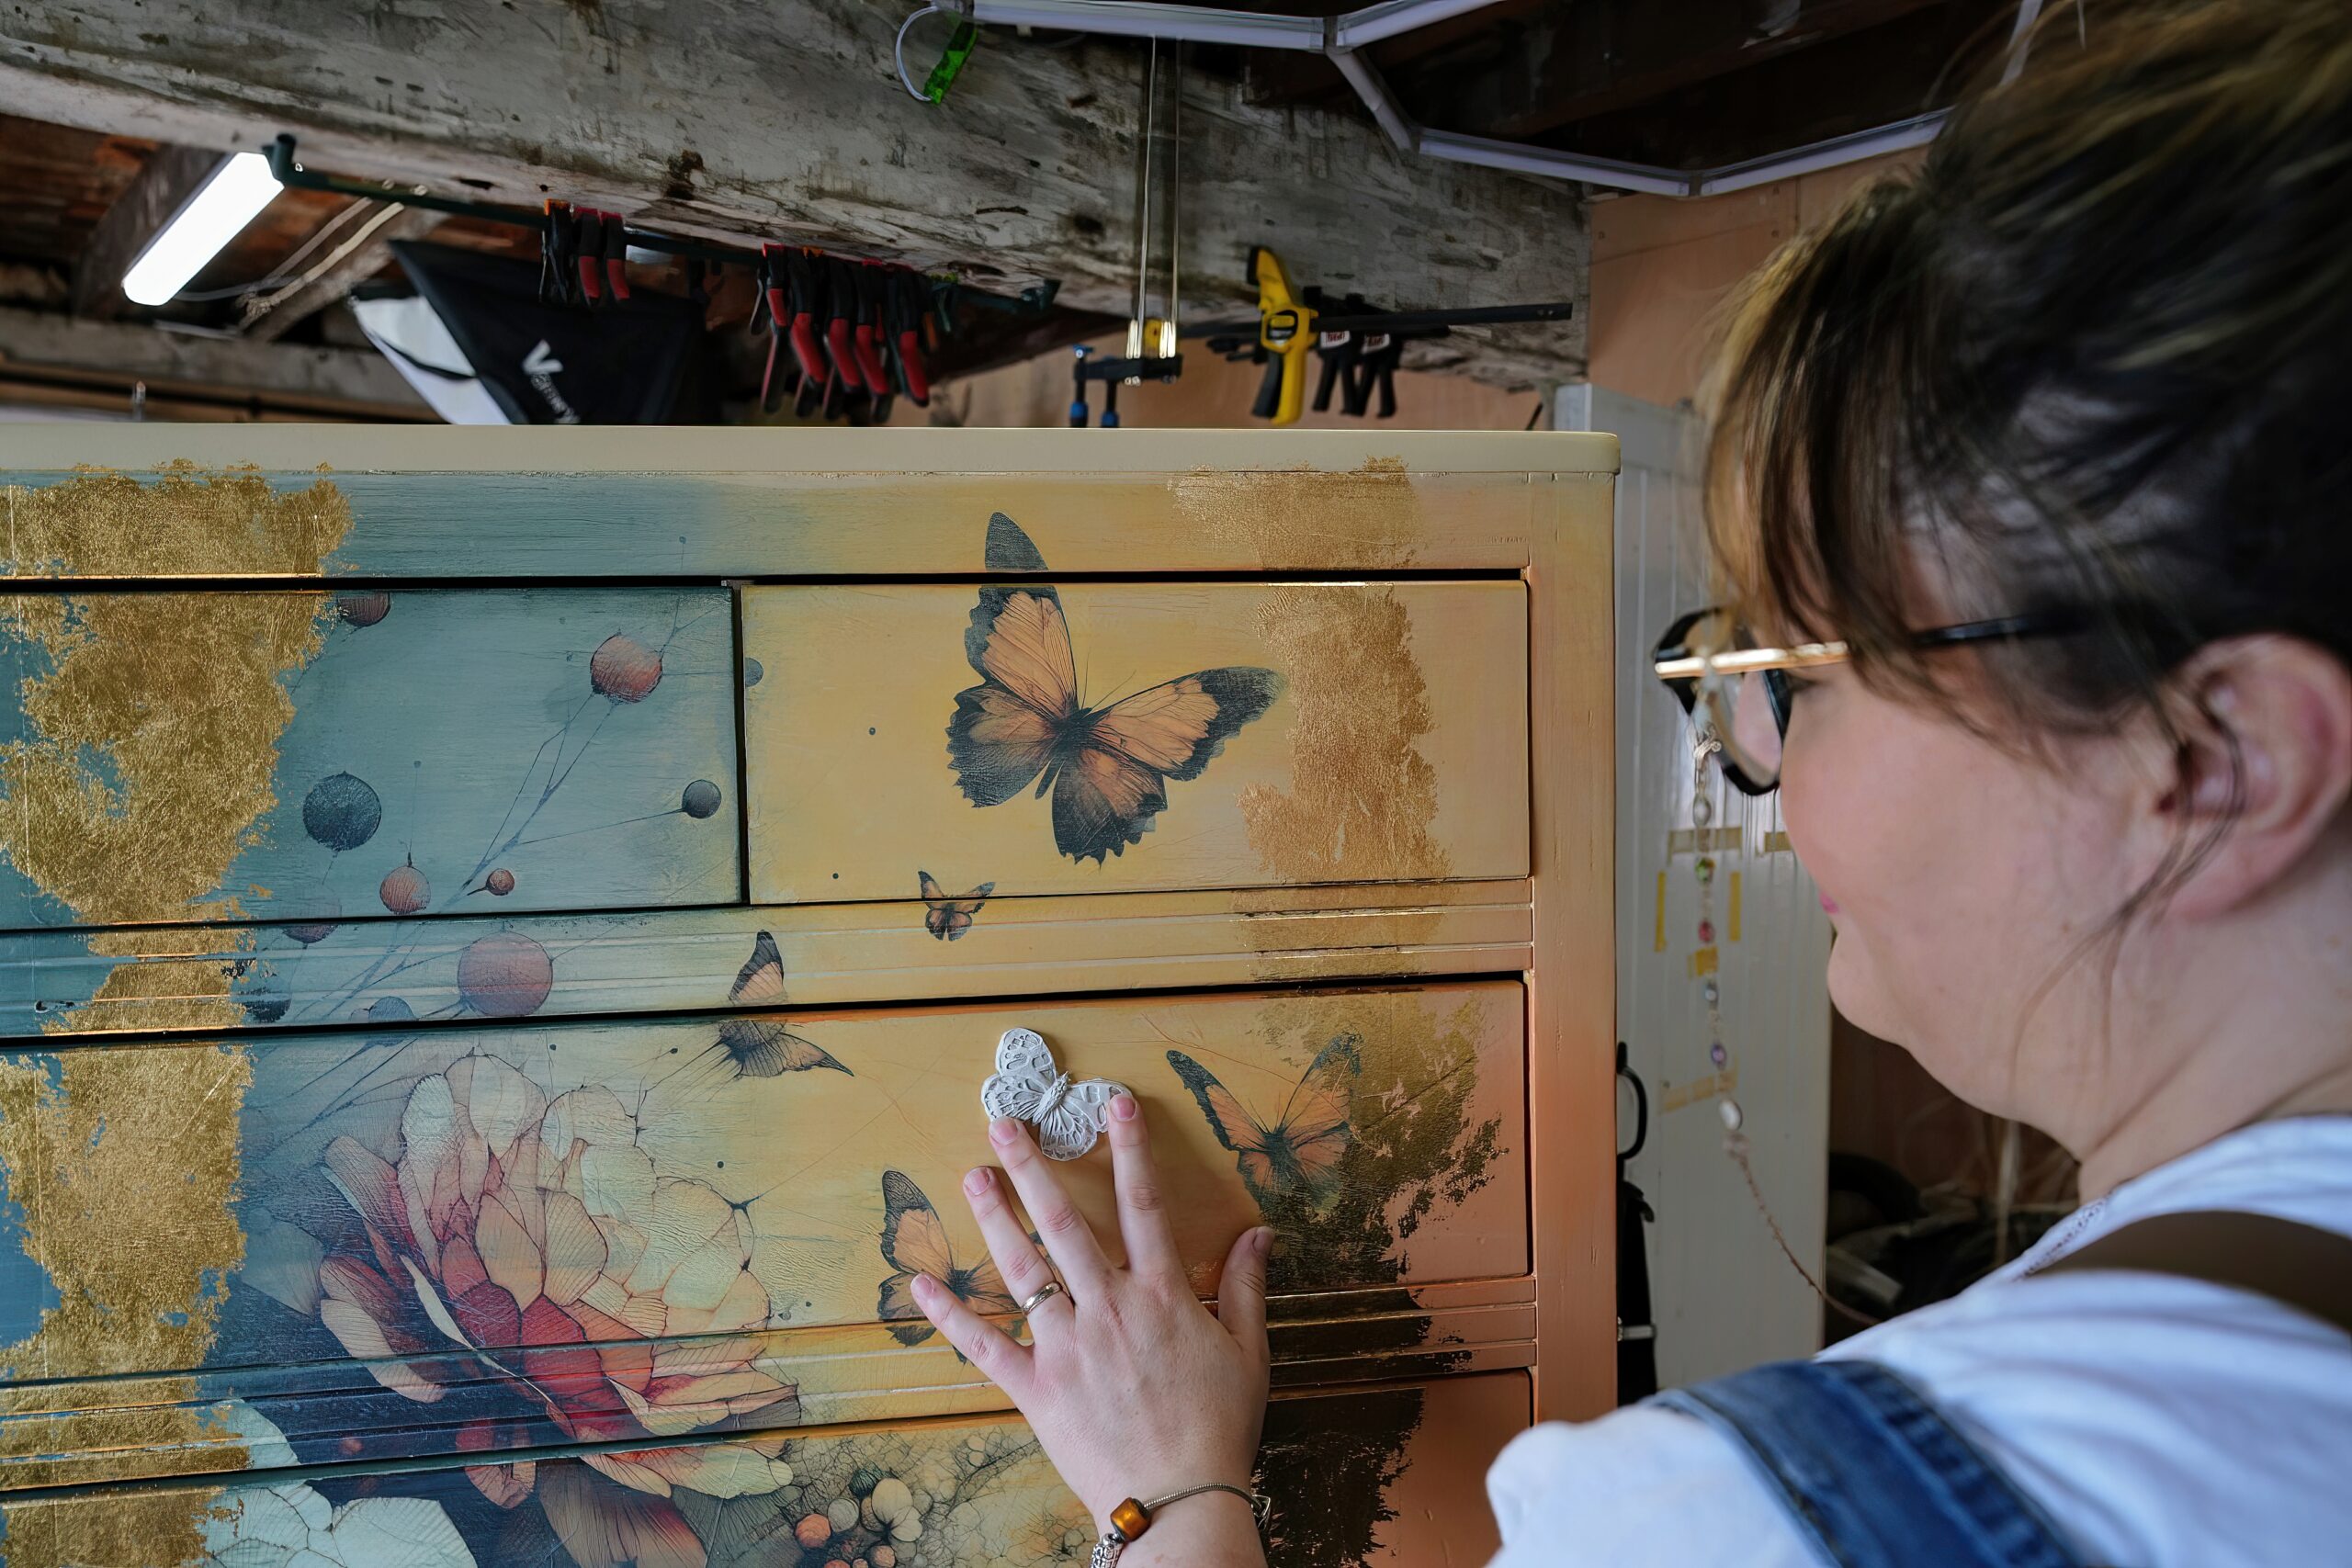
(503, 933)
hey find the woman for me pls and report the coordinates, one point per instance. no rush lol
(2075, 389)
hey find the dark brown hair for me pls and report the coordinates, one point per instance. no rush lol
(2093, 356)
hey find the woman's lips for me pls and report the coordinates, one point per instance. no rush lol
(1828, 904)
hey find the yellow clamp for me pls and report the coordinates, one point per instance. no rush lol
(1286, 330)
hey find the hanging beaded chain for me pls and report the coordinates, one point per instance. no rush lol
(1710, 992)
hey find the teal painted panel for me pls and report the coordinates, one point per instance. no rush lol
(320, 757)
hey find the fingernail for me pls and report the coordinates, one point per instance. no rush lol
(1262, 1240)
(924, 1287)
(1002, 1131)
(976, 1180)
(1124, 1108)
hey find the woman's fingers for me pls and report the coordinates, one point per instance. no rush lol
(1143, 1201)
(1016, 1257)
(1004, 1359)
(1241, 1295)
(1069, 1239)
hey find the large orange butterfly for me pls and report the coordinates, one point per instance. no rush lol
(757, 1048)
(947, 917)
(1300, 1152)
(1107, 767)
(914, 1242)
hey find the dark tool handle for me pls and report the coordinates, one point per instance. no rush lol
(617, 254)
(911, 367)
(772, 387)
(555, 254)
(1333, 364)
(590, 246)
(843, 356)
(869, 361)
(799, 275)
(1270, 388)
(805, 348)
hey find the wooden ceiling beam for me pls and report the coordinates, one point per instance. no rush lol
(786, 121)
(170, 175)
(340, 270)
(46, 347)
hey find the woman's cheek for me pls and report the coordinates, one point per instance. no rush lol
(1845, 780)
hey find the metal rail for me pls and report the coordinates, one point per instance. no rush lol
(1341, 39)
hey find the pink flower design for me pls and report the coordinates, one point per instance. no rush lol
(533, 1238)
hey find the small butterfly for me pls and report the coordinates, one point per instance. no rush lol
(1107, 767)
(949, 918)
(914, 1242)
(758, 1048)
(1027, 1087)
(1300, 1152)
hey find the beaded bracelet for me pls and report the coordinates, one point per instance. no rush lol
(1131, 1519)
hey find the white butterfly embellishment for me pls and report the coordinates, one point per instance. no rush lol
(1026, 1087)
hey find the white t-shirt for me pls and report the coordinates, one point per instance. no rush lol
(2156, 1421)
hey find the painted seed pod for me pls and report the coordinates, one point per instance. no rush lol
(505, 974)
(404, 890)
(624, 669)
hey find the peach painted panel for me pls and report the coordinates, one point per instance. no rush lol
(394, 1195)
(1372, 1477)
(1125, 737)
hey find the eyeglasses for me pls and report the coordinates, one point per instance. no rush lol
(1738, 692)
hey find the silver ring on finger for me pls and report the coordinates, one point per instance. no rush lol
(1049, 1289)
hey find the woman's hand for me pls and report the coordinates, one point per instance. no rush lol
(1132, 1387)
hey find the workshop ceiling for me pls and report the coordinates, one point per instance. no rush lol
(1683, 83)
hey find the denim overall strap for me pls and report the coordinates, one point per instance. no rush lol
(1869, 1468)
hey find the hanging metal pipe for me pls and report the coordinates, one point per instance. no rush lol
(1916, 131)
(1339, 40)
(1369, 26)
(1146, 19)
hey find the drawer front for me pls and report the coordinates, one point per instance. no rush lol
(287, 977)
(457, 1209)
(315, 756)
(1387, 1476)
(1025, 738)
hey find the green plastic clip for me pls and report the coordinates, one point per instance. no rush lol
(960, 45)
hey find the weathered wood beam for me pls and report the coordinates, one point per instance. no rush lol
(783, 118)
(170, 175)
(39, 344)
(370, 251)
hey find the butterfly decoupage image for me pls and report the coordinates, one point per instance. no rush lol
(947, 917)
(1107, 766)
(755, 1048)
(915, 1241)
(1296, 1156)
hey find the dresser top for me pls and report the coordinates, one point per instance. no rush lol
(351, 448)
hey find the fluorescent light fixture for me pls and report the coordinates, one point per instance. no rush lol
(220, 208)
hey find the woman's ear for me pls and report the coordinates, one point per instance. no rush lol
(2264, 773)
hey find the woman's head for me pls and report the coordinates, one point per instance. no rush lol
(2088, 364)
